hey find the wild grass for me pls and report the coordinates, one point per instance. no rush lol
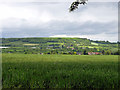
(59, 71)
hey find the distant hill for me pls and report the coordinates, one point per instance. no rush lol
(56, 45)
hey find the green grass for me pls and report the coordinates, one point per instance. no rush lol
(94, 43)
(59, 71)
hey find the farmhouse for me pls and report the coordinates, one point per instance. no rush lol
(94, 53)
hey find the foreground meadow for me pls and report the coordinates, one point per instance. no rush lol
(59, 71)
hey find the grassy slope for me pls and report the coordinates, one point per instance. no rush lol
(59, 71)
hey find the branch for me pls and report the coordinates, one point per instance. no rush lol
(75, 4)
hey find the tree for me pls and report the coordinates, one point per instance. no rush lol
(75, 4)
(103, 52)
(108, 52)
(117, 52)
(85, 52)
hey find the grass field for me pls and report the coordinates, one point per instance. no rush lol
(59, 71)
(30, 44)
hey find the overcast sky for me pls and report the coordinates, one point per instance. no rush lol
(96, 20)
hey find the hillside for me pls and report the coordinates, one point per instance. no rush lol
(58, 46)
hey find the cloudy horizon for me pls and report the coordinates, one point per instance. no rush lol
(95, 21)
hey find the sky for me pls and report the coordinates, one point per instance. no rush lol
(95, 21)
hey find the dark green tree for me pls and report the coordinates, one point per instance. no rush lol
(103, 52)
(85, 52)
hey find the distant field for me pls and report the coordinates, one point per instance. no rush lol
(94, 43)
(30, 44)
(59, 71)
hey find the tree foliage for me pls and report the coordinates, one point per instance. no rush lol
(75, 4)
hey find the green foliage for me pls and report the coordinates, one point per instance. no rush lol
(108, 52)
(85, 53)
(75, 4)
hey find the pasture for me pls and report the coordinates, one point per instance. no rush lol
(59, 71)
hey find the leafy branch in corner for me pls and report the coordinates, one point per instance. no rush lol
(75, 4)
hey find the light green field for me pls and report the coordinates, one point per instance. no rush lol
(30, 44)
(59, 71)
(94, 43)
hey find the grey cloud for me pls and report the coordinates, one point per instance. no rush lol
(63, 26)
